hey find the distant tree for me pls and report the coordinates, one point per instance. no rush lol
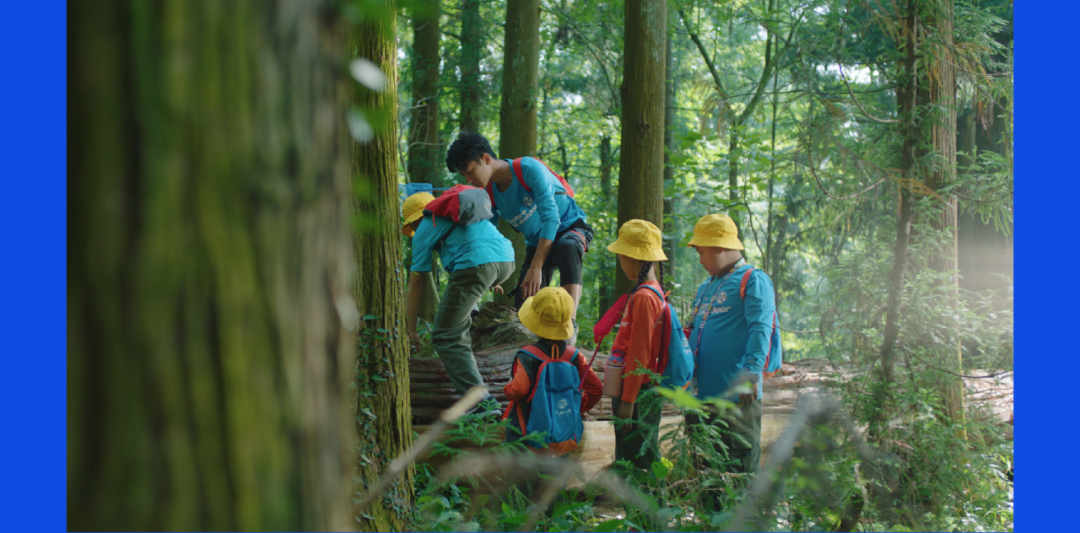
(210, 265)
(517, 114)
(641, 156)
(425, 155)
(472, 48)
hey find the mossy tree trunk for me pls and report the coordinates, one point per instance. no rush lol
(383, 412)
(210, 268)
(938, 98)
(517, 112)
(641, 156)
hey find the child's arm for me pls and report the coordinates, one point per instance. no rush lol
(518, 388)
(592, 388)
(643, 315)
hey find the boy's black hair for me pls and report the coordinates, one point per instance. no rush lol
(469, 146)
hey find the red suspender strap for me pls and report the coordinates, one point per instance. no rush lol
(520, 174)
(491, 195)
(539, 354)
(745, 280)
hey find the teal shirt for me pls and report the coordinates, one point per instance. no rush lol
(539, 214)
(465, 246)
(736, 333)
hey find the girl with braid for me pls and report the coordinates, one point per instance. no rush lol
(638, 342)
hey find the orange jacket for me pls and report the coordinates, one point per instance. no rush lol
(639, 338)
(519, 388)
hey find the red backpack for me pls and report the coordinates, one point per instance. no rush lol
(464, 204)
(516, 165)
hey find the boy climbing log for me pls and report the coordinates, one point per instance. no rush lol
(477, 257)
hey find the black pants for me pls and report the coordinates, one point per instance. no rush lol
(628, 443)
(567, 254)
(745, 455)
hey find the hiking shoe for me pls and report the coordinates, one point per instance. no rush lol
(487, 407)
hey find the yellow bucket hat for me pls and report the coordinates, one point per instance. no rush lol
(549, 314)
(639, 239)
(718, 231)
(413, 209)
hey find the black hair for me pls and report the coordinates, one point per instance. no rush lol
(644, 273)
(469, 146)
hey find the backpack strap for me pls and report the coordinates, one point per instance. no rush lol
(745, 280)
(742, 293)
(536, 352)
(516, 164)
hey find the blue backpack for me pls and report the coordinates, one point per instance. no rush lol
(555, 402)
(774, 358)
(675, 360)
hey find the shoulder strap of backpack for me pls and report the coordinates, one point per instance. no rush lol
(654, 289)
(745, 280)
(520, 174)
(491, 195)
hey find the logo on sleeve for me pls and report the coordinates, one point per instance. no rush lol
(527, 200)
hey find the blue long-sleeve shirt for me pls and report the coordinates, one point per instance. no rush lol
(465, 246)
(539, 214)
(735, 337)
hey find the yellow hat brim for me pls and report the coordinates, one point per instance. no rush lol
(528, 317)
(730, 243)
(637, 252)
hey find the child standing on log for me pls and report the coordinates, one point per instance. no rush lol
(639, 341)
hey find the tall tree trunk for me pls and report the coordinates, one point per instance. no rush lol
(641, 157)
(671, 240)
(939, 94)
(425, 157)
(472, 43)
(517, 113)
(383, 414)
(210, 263)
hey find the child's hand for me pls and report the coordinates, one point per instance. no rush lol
(626, 410)
(497, 289)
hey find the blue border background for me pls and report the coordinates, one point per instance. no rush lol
(33, 147)
(1046, 195)
(35, 155)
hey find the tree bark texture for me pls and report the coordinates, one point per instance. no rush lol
(641, 157)
(210, 265)
(383, 416)
(425, 154)
(938, 97)
(517, 112)
(472, 48)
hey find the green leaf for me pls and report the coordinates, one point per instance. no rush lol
(610, 525)
(659, 470)
(369, 317)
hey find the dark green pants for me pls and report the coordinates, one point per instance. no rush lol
(628, 442)
(450, 336)
(747, 458)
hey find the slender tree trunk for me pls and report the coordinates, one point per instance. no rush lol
(383, 413)
(517, 114)
(425, 156)
(472, 43)
(607, 277)
(209, 272)
(641, 157)
(671, 239)
(906, 94)
(940, 96)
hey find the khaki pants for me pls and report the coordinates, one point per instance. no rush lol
(450, 335)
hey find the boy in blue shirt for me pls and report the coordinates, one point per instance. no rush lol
(478, 258)
(730, 335)
(556, 234)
